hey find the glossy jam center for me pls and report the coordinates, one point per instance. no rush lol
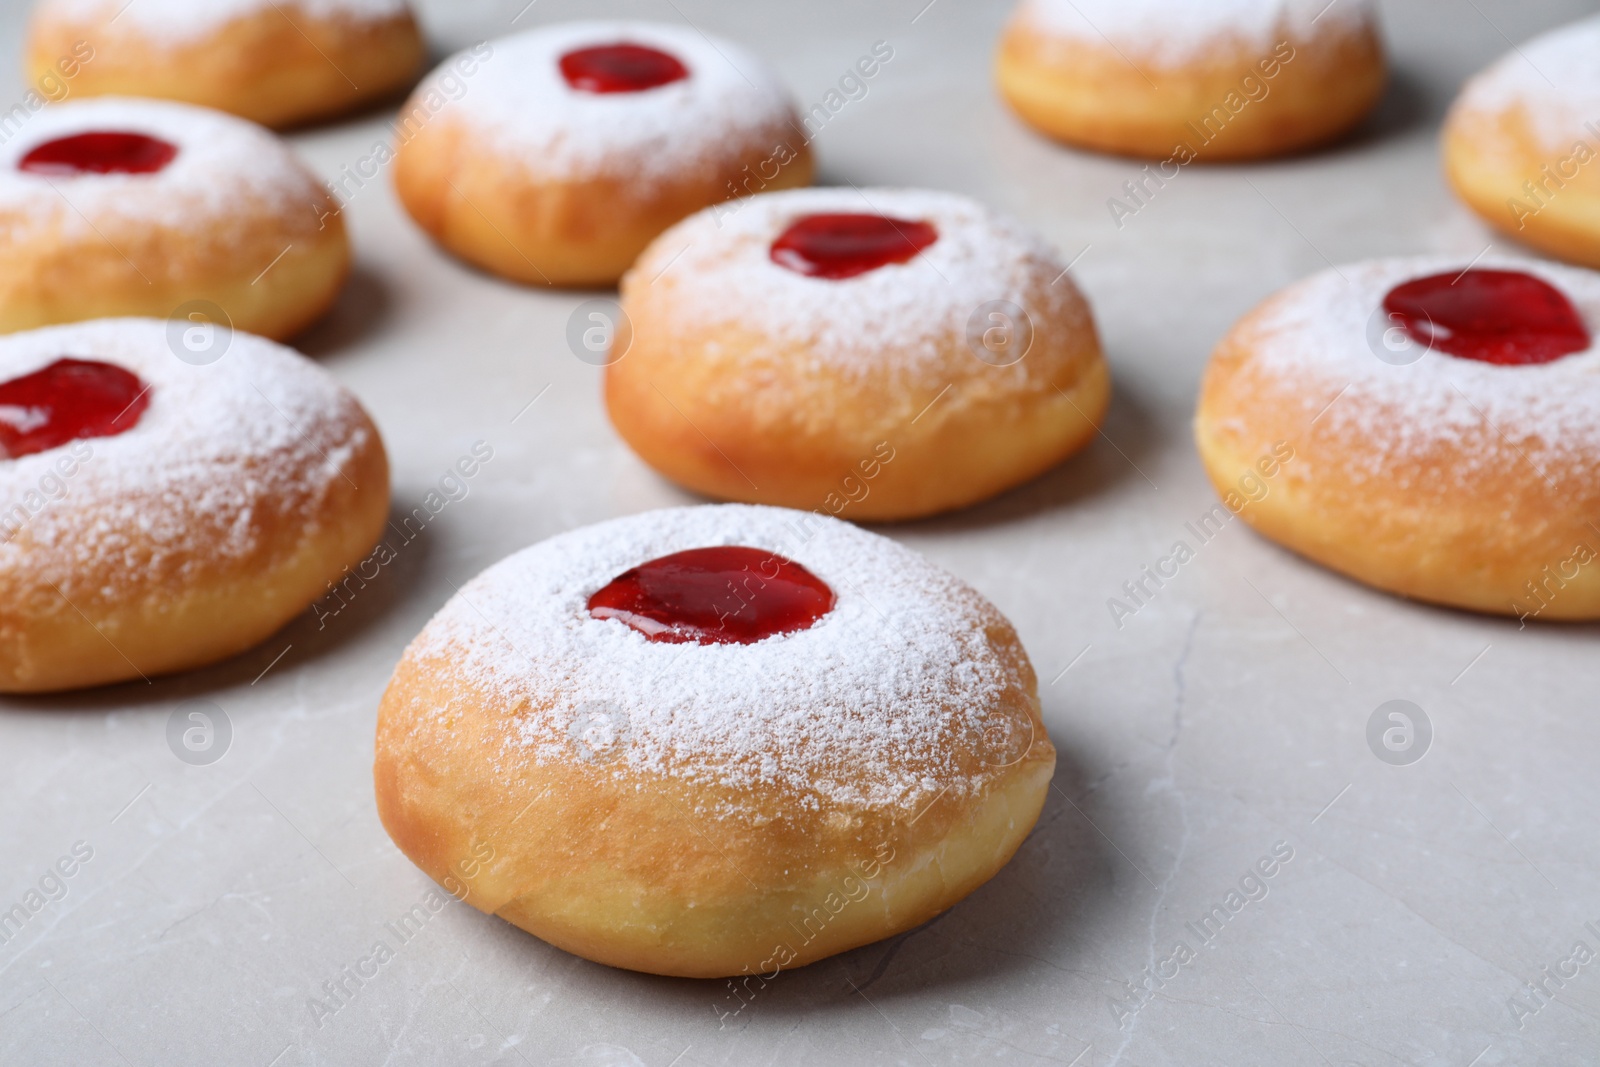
(843, 246)
(728, 595)
(1496, 316)
(620, 68)
(99, 152)
(69, 400)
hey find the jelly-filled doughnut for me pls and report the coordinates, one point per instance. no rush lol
(876, 354)
(142, 207)
(160, 513)
(713, 741)
(276, 62)
(1186, 80)
(1443, 423)
(576, 144)
(1522, 143)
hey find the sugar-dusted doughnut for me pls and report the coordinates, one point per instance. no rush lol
(158, 514)
(1186, 80)
(276, 62)
(579, 142)
(882, 354)
(1443, 423)
(713, 741)
(1522, 143)
(140, 207)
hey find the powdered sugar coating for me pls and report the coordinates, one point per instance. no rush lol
(260, 431)
(228, 173)
(1313, 338)
(855, 710)
(730, 101)
(178, 22)
(1175, 31)
(1554, 79)
(722, 275)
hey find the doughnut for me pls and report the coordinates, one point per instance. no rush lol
(163, 513)
(276, 62)
(1522, 143)
(882, 354)
(118, 207)
(573, 146)
(715, 740)
(1186, 80)
(1425, 428)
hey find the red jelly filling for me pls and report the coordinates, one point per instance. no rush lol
(1496, 316)
(69, 400)
(715, 596)
(843, 246)
(620, 68)
(100, 152)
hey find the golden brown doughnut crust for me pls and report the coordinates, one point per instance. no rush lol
(1488, 515)
(136, 270)
(512, 169)
(1488, 158)
(88, 597)
(177, 622)
(606, 867)
(1512, 164)
(485, 207)
(280, 66)
(979, 441)
(669, 873)
(738, 409)
(1233, 104)
(235, 220)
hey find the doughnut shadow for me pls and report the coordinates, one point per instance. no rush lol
(1422, 613)
(384, 107)
(1096, 470)
(346, 612)
(1406, 107)
(1034, 913)
(364, 304)
(376, 589)
(1031, 914)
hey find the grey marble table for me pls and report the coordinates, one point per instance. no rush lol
(1409, 907)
